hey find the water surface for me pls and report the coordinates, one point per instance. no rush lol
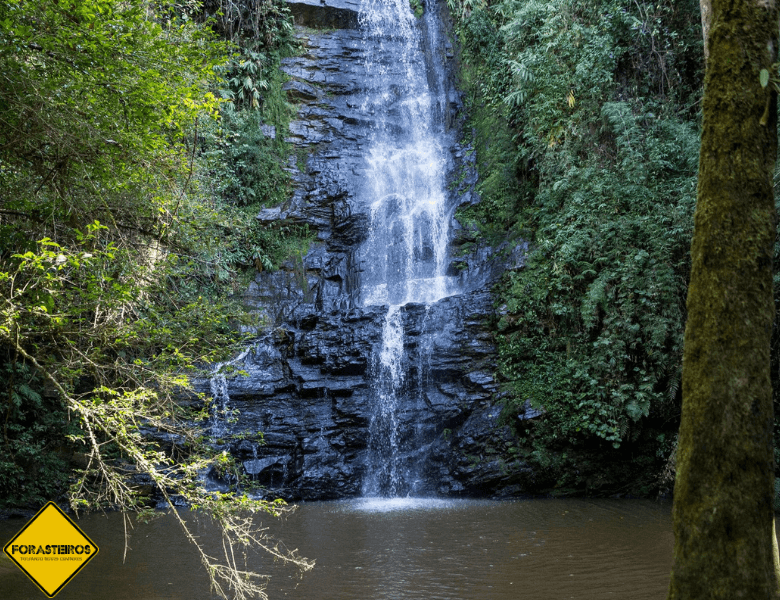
(401, 549)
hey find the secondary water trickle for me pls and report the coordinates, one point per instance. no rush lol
(404, 259)
(220, 406)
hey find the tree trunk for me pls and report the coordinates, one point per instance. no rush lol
(725, 545)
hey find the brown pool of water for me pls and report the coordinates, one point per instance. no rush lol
(403, 549)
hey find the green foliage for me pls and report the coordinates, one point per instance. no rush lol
(32, 471)
(242, 165)
(487, 80)
(252, 24)
(85, 82)
(243, 80)
(242, 153)
(599, 176)
(594, 322)
(280, 243)
(128, 195)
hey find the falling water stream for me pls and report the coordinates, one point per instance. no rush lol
(405, 257)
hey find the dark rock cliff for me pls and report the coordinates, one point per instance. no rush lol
(309, 374)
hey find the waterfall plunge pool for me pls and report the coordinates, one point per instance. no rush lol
(399, 549)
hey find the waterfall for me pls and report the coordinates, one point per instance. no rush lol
(371, 372)
(404, 259)
(220, 403)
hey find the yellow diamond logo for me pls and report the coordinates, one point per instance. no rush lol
(51, 549)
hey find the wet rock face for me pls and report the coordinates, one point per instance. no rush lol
(325, 14)
(308, 389)
(309, 377)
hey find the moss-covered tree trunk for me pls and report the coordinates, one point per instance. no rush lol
(723, 517)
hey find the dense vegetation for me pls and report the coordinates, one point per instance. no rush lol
(132, 165)
(597, 108)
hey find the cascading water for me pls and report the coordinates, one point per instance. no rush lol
(220, 404)
(404, 259)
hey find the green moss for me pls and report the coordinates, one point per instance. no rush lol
(501, 191)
